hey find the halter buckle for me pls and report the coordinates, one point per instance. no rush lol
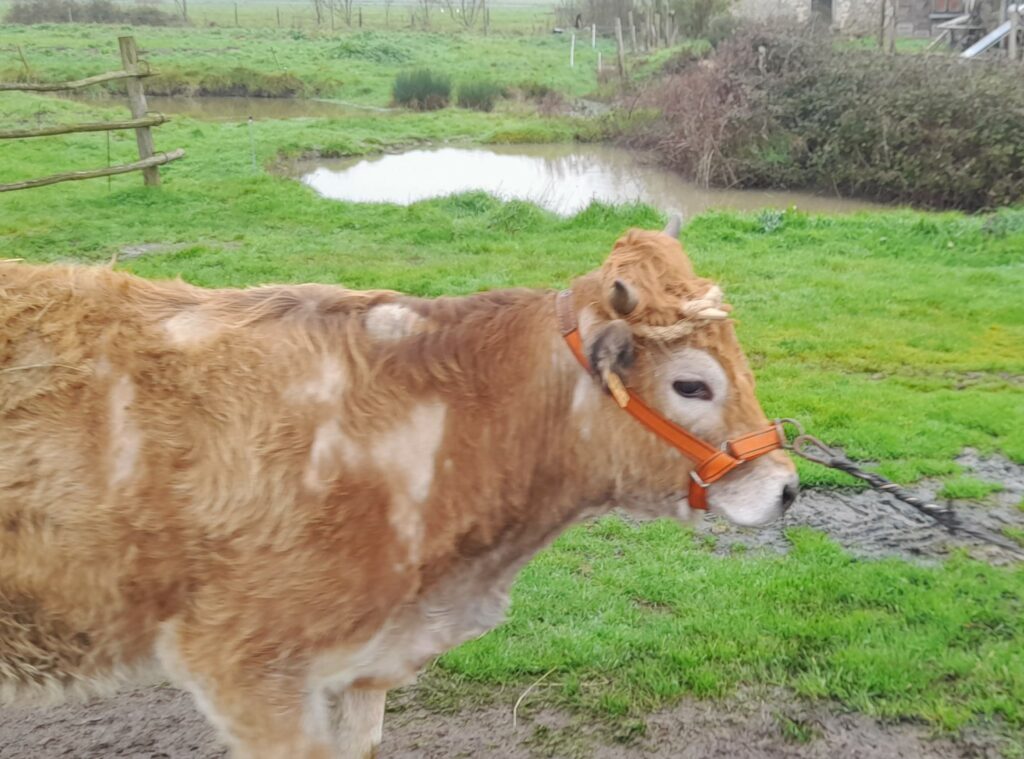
(697, 479)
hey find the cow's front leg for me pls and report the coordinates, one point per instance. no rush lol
(357, 721)
(260, 713)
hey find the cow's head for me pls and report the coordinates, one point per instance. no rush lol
(646, 317)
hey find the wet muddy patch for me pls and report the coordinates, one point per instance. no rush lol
(870, 525)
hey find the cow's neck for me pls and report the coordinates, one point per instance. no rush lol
(527, 458)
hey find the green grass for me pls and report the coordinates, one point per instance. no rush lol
(968, 488)
(895, 334)
(630, 618)
(355, 66)
(1014, 533)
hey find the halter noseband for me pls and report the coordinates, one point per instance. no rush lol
(711, 463)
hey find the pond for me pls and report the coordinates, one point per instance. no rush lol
(563, 178)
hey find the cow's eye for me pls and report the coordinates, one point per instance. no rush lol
(692, 389)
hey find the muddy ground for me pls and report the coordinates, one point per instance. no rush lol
(871, 526)
(161, 723)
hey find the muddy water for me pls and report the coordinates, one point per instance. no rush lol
(564, 178)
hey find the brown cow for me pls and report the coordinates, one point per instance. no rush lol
(288, 499)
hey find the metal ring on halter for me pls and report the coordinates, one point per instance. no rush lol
(812, 449)
(780, 425)
(696, 478)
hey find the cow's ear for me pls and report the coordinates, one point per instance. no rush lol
(622, 298)
(611, 351)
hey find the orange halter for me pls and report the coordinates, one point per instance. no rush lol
(712, 463)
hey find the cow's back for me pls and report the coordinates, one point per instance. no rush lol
(73, 511)
(153, 438)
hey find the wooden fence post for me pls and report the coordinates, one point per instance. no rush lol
(572, 51)
(622, 48)
(632, 32)
(24, 61)
(593, 35)
(137, 103)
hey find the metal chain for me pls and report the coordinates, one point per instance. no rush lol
(812, 449)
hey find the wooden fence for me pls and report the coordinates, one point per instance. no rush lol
(133, 70)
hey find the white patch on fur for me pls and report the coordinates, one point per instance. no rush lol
(358, 721)
(392, 321)
(125, 437)
(188, 328)
(584, 406)
(457, 611)
(102, 368)
(331, 447)
(169, 657)
(325, 388)
(751, 495)
(54, 691)
(703, 418)
(407, 455)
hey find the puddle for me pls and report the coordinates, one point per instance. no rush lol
(563, 178)
(870, 525)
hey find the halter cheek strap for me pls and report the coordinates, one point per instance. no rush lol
(711, 463)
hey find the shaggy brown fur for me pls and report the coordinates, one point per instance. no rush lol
(251, 491)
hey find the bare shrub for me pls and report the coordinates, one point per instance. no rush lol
(774, 107)
(86, 11)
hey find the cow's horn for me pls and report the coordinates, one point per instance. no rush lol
(624, 300)
(675, 222)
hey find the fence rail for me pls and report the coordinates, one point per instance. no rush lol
(75, 85)
(133, 70)
(100, 126)
(146, 163)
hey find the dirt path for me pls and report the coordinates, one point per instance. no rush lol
(161, 723)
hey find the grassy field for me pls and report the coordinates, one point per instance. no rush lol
(898, 334)
(355, 66)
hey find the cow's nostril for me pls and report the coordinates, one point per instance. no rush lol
(789, 494)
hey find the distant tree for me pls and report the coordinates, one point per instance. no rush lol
(464, 12)
(424, 7)
(182, 6)
(345, 7)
